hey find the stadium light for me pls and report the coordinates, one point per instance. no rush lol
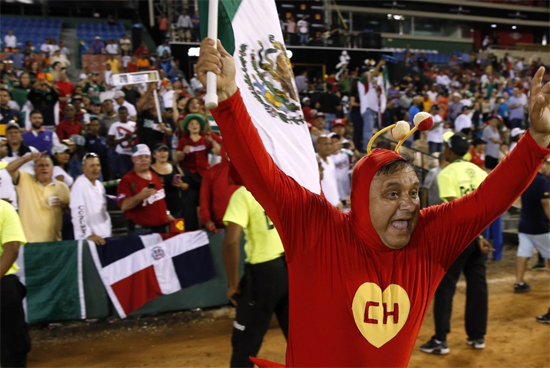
(493, 26)
(514, 27)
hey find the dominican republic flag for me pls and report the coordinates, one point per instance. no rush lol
(137, 269)
(251, 32)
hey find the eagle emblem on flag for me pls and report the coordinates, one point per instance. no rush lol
(268, 74)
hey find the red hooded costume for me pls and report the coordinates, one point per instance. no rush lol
(354, 302)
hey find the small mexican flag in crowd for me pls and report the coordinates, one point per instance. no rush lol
(250, 30)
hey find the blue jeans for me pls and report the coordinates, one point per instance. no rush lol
(515, 123)
(369, 117)
(435, 147)
(304, 38)
(124, 164)
(494, 232)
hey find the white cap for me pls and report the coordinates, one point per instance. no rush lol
(60, 148)
(141, 149)
(516, 131)
(118, 94)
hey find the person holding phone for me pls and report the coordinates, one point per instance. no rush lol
(141, 196)
(171, 178)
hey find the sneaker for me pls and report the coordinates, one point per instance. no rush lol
(476, 343)
(545, 318)
(521, 288)
(437, 348)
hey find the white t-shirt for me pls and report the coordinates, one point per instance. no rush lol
(436, 134)
(368, 99)
(67, 179)
(302, 26)
(119, 130)
(329, 183)
(463, 121)
(342, 167)
(10, 41)
(89, 209)
(131, 108)
(27, 167)
(112, 48)
(7, 189)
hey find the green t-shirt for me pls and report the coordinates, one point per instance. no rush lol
(262, 239)
(458, 179)
(10, 230)
(93, 92)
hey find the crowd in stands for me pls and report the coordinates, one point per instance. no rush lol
(57, 130)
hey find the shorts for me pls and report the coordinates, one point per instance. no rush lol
(528, 243)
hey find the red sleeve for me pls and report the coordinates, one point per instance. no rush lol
(453, 226)
(124, 190)
(291, 207)
(181, 144)
(205, 197)
(208, 145)
(216, 137)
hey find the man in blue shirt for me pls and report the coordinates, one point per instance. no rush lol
(517, 110)
(534, 228)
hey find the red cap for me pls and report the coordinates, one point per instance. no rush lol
(338, 122)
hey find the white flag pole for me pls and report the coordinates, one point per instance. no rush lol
(157, 104)
(211, 98)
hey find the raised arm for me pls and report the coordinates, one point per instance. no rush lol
(464, 218)
(286, 202)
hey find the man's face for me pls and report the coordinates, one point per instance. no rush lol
(394, 205)
(92, 168)
(339, 129)
(123, 115)
(43, 169)
(141, 162)
(516, 92)
(13, 136)
(37, 120)
(94, 127)
(70, 112)
(319, 123)
(108, 106)
(4, 98)
(96, 109)
(324, 146)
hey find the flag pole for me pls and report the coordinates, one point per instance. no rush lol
(211, 98)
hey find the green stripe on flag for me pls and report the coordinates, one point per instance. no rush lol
(53, 278)
(226, 12)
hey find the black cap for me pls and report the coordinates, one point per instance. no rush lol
(458, 143)
(479, 141)
(464, 108)
(160, 146)
(436, 107)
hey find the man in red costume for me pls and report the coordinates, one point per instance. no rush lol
(361, 282)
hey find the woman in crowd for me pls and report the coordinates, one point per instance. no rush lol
(171, 177)
(61, 157)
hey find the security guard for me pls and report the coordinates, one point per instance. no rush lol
(263, 290)
(14, 335)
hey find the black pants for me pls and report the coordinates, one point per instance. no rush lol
(264, 291)
(14, 335)
(472, 263)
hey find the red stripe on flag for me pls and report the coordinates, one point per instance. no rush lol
(137, 289)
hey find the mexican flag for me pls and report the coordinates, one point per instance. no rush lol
(250, 30)
(52, 273)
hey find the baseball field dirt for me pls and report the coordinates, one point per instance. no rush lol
(202, 338)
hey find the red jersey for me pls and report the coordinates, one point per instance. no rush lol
(354, 302)
(216, 191)
(476, 159)
(65, 129)
(152, 211)
(197, 159)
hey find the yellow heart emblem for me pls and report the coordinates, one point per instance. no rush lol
(380, 315)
